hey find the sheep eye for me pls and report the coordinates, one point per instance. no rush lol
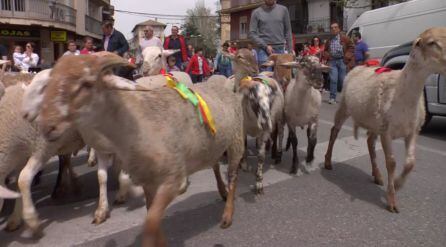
(159, 56)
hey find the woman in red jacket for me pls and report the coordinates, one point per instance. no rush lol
(198, 66)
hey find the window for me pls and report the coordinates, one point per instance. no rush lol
(243, 27)
(19, 5)
(5, 5)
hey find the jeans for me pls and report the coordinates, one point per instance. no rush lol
(196, 78)
(225, 70)
(337, 75)
(262, 56)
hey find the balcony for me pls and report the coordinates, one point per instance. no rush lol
(92, 25)
(318, 25)
(43, 10)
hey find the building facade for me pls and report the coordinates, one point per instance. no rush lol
(138, 33)
(50, 23)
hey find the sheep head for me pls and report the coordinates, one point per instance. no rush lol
(260, 98)
(281, 73)
(245, 63)
(312, 69)
(154, 59)
(429, 50)
(73, 84)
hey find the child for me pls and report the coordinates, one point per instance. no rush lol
(198, 67)
(18, 57)
(171, 61)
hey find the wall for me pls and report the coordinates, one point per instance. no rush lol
(318, 9)
(235, 22)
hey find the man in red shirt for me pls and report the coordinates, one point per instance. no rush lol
(198, 66)
(176, 42)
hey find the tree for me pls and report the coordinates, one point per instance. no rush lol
(201, 26)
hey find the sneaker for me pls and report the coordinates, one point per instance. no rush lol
(332, 101)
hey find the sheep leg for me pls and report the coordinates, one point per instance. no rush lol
(386, 142)
(279, 142)
(65, 172)
(260, 162)
(220, 184)
(340, 117)
(312, 140)
(92, 160)
(15, 219)
(26, 176)
(102, 212)
(371, 141)
(164, 195)
(274, 146)
(235, 153)
(125, 183)
(295, 169)
(243, 162)
(410, 161)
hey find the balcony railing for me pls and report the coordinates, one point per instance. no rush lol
(92, 25)
(45, 10)
(318, 25)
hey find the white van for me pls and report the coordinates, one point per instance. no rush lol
(385, 28)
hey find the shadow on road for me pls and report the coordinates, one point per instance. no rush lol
(356, 183)
(435, 129)
(183, 225)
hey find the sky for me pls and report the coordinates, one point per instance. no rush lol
(125, 22)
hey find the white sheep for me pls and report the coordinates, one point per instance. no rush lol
(263, 105)
(156, 134)
(21, 144)
(390, 105)
(302, 100)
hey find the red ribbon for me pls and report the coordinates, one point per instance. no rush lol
(381, 70)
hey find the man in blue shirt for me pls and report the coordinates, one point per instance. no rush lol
(361, 49)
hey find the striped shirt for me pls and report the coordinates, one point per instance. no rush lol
(336, 50)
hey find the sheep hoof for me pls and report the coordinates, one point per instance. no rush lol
(100, 216)
(226, 221)
(259, 188)
(120, 199)
(379, 181)
(59, 192)
(328, 166)
(92, 162)
(299, 173)
(13, 225)
(392, 209)
(33, 224)
(293, 170)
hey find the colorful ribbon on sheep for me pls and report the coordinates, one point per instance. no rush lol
(204, 114)
(259, 78)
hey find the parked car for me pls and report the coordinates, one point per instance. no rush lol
(435, 85)
(386, 28)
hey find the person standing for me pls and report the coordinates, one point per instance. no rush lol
(149, 39)
(88, 46)
(339, 52)
(17, 57)
(113, 40)
(176, 42)
(190, 51)
(223, 61)
(30, 59)
(361, 49)
(270, 30)
(72, 48)
(198, 67)
(3, 52)
(232, 47)
(316, 48)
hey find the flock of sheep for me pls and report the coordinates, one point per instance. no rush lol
(80, 102)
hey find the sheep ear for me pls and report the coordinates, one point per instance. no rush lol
(167, 53)
(33, 95)
(269, 63)
(111, 61)
(8, 194)
(293, 64)
(324, 68)
(417, 42)
(245, 85)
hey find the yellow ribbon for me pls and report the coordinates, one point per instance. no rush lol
(208, 114)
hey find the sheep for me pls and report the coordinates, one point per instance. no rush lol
(302, 100)
(390, 105)
(263, 104)
(142, 130)
(22, 144)
(31, 106)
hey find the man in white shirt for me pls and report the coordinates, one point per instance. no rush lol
(148, 40)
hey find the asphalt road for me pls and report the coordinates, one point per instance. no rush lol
(341, 207)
